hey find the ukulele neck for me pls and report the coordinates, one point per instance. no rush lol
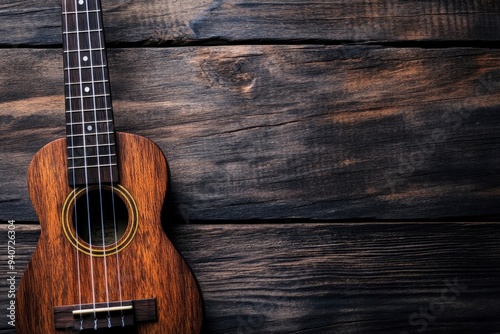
(90, 133)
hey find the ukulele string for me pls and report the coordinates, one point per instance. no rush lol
(96, 130)
(91, 261)
(109, 131)
(72, 136)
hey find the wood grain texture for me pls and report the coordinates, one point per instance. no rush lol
(167, 21)
(335, 278)
(256, 132)
(149, 267)
(280, 132)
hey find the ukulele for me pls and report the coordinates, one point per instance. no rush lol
(103, 263)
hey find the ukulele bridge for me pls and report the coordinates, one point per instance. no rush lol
(105, 315)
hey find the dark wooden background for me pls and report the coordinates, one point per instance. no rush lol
(335, 164)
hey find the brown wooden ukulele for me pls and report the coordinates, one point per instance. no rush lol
(103, 263)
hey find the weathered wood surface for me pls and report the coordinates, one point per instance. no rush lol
(277, 132)
(294, 131)
(333, 278)
(159, 21)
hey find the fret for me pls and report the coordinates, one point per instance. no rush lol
(94, 166)
(84, 50)
(111, 155)
(86, 82)
(86, 96)
(89, 110)
(90, 117)
(84, 166)
(90, 146)
(90, 134)
(89, 139)
(81, 31)
(81, 12)
(84, 67)
(78, 138)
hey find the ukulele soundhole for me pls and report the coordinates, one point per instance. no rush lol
(104, 213)
(100, 221)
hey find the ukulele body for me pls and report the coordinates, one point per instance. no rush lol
(146, 266)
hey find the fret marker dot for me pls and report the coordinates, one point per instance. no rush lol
(85, 58)
(81, 2)
(87, 89)
(89, 127)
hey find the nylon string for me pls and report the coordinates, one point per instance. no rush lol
(85, 164)
(107, 108)
(72, 136)
(96, 129)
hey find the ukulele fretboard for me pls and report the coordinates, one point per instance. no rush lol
(89, 114)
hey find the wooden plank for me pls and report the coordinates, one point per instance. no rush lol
(333, 278)
(280, 132)
(166, 21)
